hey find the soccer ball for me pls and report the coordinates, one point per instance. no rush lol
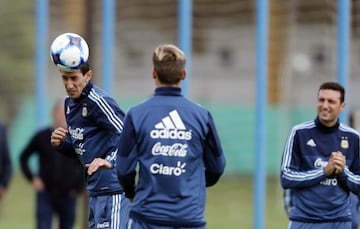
(68, 51)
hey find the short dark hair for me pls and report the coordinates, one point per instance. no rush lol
(334, 86)
(85, 67)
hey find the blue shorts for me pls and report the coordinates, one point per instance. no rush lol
(328, 225)
(134, 224)
(109, 212)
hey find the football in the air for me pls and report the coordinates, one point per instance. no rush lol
(68, 51)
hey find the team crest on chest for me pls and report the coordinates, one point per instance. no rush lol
(344, 143)
(84, 110)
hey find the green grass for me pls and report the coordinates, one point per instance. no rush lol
(229, 205)
(17, 209)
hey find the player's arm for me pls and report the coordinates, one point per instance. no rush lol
(214, 159)
(127, 158)
(349, 178)
(291, 174)
(25, 155)
(60, 141)
(108, 114)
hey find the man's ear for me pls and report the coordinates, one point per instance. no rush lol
(342, 106)
(154, 74)
(88, 75)
(183, 75)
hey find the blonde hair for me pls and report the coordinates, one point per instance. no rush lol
(169, 63)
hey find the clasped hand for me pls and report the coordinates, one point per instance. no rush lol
(336, 164)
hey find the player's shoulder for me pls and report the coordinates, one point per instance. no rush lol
(97, 92)
(100, 97)
(346, 128)
(304, 125)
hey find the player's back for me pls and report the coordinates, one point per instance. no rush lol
(171, 132)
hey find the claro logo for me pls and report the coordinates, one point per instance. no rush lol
(168, 170)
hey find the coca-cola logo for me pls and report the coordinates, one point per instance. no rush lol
(174, 150)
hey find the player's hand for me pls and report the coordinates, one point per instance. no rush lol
(340, 162)
(38, 184)
(96, 164)
(336, 164)
(58, 136)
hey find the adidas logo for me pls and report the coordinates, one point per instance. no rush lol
(311, 143)
(172, 121)
(171, 127)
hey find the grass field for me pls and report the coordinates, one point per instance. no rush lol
(229, 205)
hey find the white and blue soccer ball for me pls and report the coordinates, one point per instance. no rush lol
(68, 51)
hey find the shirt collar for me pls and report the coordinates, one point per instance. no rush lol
(174, 91)
(326, 128)
(85, 92)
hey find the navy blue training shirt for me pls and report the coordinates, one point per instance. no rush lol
(175, 145)
(95, 123)
(317, 198)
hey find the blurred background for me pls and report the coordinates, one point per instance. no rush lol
(302, 53)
